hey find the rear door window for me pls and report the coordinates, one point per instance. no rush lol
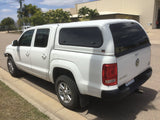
(41, 39)
(84, 37)
(128, 37)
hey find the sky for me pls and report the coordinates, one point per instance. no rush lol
(8, 8)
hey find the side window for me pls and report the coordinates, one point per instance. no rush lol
(26, 38)
(41, 39)
(85, 37)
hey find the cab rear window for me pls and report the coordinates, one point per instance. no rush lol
(128, 37)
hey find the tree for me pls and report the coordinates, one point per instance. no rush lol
(30, 10)
(57, 16)
(8, 23)
(85, 13)
(92, 13)
(38, 18)
(27, 12)
(32, 15)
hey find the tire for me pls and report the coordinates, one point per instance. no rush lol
(13, 70)
(67, 92)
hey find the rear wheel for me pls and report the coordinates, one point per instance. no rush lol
(13, 70)
(67, 91)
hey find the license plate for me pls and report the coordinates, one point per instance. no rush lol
(130, 82)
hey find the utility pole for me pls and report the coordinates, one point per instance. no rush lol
(20, 2)
(20, 9)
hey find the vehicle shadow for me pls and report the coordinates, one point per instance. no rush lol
(40, 84)
(125, 109)
(98, 109)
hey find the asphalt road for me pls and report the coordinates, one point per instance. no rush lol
(144, 106)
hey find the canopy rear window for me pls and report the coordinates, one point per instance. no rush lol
(128, 37)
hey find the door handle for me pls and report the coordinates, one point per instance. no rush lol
(27, 54)
(44, 56)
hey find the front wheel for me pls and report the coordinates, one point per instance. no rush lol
(67, 92)
(13, 70)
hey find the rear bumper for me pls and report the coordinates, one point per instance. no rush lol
(124, 90)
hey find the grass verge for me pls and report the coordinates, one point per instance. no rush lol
(14, 107)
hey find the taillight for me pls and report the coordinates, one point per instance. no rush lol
(109, 74)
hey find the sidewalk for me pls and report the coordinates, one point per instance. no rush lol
(44, 103)
(154, 36)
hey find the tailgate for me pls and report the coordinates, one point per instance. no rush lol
(132, 64)
(132, 50)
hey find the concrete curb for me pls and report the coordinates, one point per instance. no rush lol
(44, 103)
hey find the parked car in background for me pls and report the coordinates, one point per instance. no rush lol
(25, 27)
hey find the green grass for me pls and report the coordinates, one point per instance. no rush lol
(14, 107)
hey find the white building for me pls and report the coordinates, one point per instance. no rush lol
(147, 12)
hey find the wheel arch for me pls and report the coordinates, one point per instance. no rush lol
(61, 67)
(9, 52)
(8, 55)
(57, 71)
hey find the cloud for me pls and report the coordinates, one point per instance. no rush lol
(5, 10)
(44, 9)
(60, 3)
(9, 3)
(15, 6)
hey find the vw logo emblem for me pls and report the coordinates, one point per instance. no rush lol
(137, 62)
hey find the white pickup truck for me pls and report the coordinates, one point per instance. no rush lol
(102, 58)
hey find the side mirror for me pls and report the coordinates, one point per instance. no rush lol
(15, 43)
